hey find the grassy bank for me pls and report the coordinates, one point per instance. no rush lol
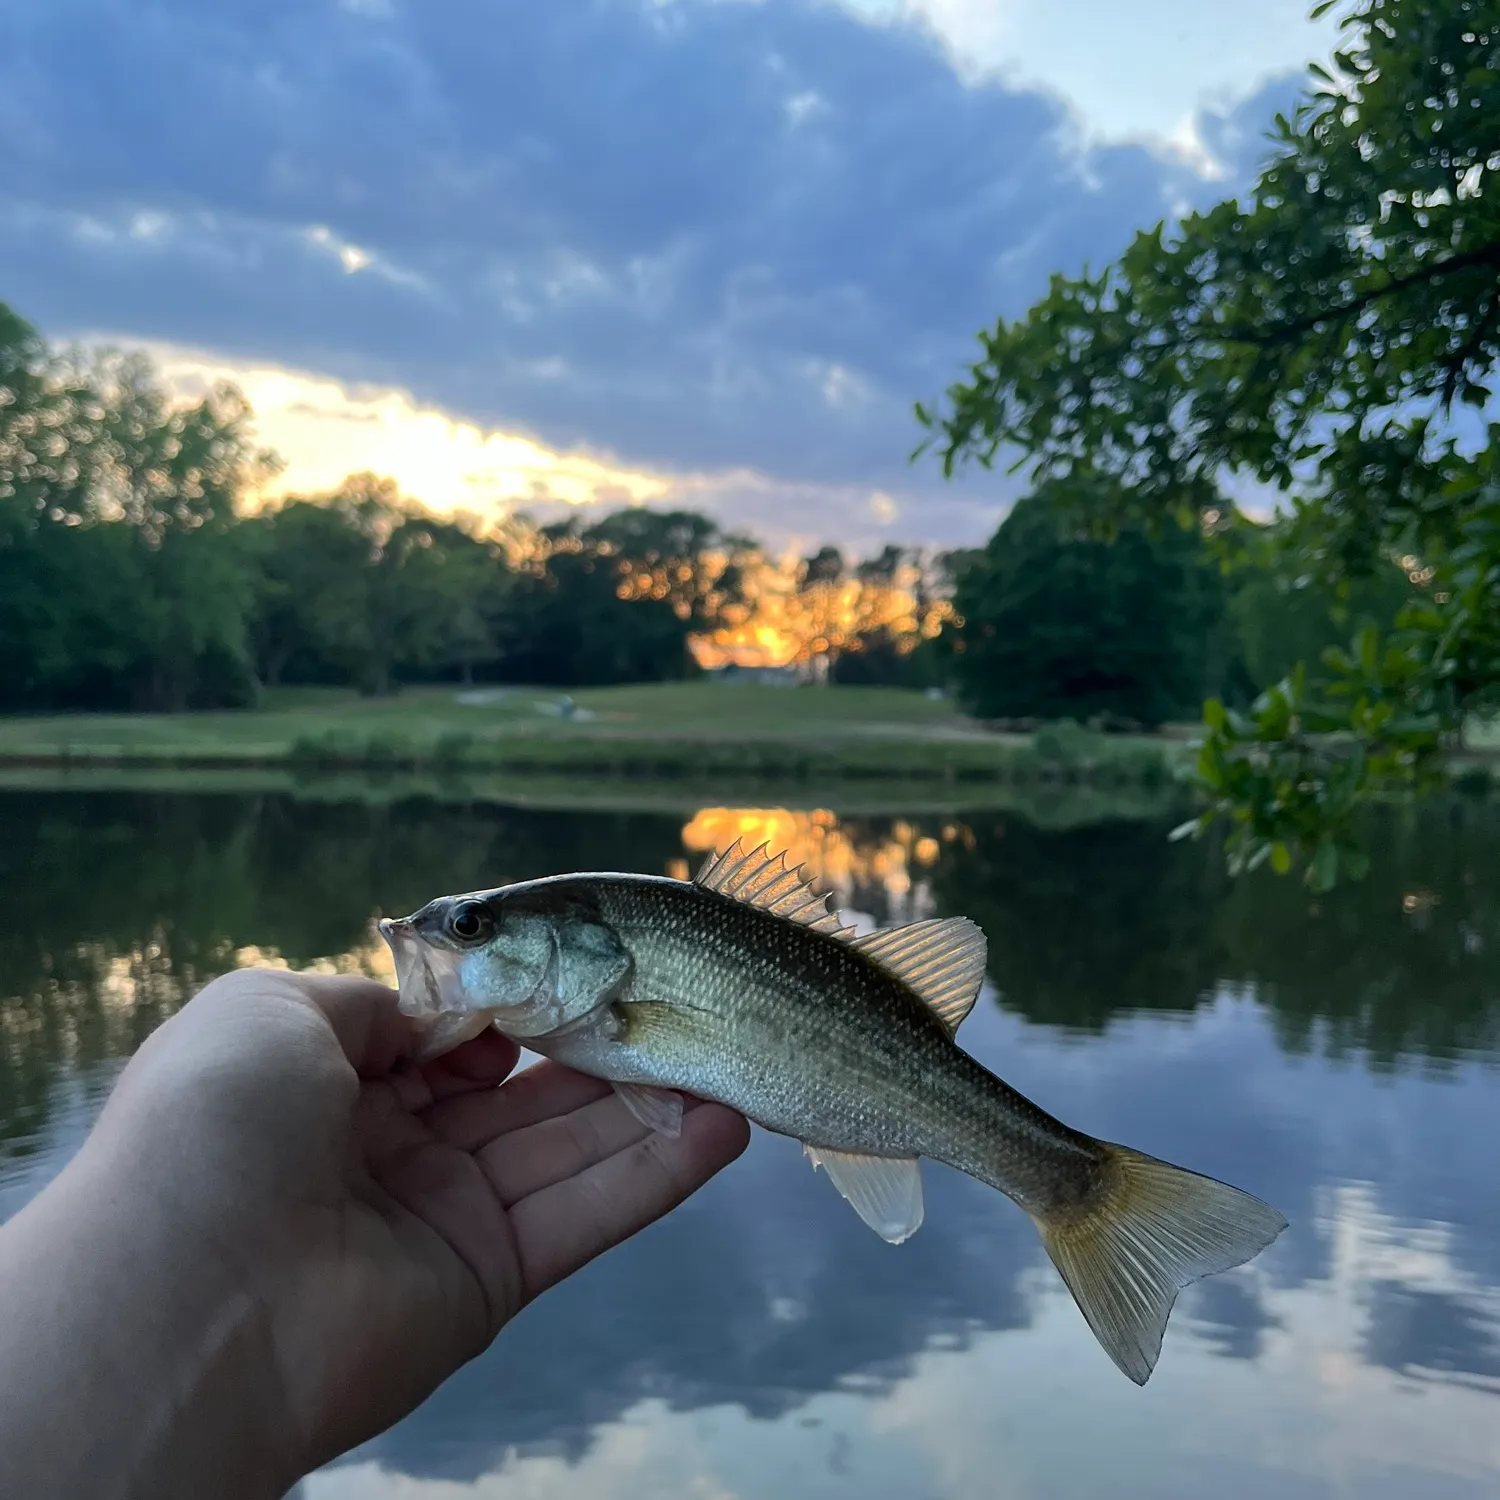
(696, 733)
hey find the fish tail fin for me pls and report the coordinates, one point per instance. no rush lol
(1153, 1229)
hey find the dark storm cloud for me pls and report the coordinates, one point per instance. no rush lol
(701, 235)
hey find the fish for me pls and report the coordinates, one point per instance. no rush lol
(741, 986)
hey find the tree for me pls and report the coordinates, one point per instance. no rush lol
(616, 600)
(474, 579)
(49, 439)
(896, 615)
(677, 555)
(1333, 337)
(49, 424)
(1277, 625)
(172, 477)
(1056, 625)
(570, 624)
(362, 585)
(438, 591)
(121, 584)
(310, 559)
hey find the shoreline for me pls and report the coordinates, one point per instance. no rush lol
(914, 762)
(1048, 803)
(656, 743)
(647, 732)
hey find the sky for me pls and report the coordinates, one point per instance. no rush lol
(699, 252)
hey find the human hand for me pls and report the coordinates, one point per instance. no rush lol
(354, 1227)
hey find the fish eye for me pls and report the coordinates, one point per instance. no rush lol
(469, 921)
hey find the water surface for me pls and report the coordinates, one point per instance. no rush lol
(1338, 1057)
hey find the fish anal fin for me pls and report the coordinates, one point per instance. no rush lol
(656, 1109)
(942, 960)
(885, 1191)
(759, 880)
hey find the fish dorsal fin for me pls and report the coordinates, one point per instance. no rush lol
(758, 880)
(941, 959)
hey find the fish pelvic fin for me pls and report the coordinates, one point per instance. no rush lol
(941, 959)
(759, 880)
(1156, 1229)
(656, 1109)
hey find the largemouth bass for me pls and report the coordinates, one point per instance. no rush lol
(742, 987)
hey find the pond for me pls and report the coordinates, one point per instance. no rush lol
(1340, 1058)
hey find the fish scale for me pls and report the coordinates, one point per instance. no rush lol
(741, 987)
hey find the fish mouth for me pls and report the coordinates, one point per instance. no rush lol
(427, 978)
(431, 988)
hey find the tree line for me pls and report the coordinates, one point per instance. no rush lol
(135, 574)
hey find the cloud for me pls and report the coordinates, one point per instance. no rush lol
(704, 238)
(324, 430)
(1127, 72)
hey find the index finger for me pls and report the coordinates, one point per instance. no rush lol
(377, 1038)
(371, 1030)
(564, 1226)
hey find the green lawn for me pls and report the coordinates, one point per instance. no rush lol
(655, 712)
(656, 730)
(705, 739)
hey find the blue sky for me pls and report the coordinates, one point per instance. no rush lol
(690, 250)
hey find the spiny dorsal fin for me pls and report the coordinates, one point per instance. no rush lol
(941, 959)
(758, 880)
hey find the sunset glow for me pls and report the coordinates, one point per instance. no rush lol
(787, 622)
(324, 430)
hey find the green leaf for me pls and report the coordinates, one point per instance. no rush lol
(1281, 858)
(1324, 870)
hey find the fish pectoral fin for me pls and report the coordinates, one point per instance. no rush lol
(656, 1109)
(885, 1191)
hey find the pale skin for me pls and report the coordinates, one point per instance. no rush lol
(281, 1237)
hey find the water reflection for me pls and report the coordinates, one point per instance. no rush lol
(1337, 1058)
(883, 864)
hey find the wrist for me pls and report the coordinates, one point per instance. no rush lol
(120, 1308)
